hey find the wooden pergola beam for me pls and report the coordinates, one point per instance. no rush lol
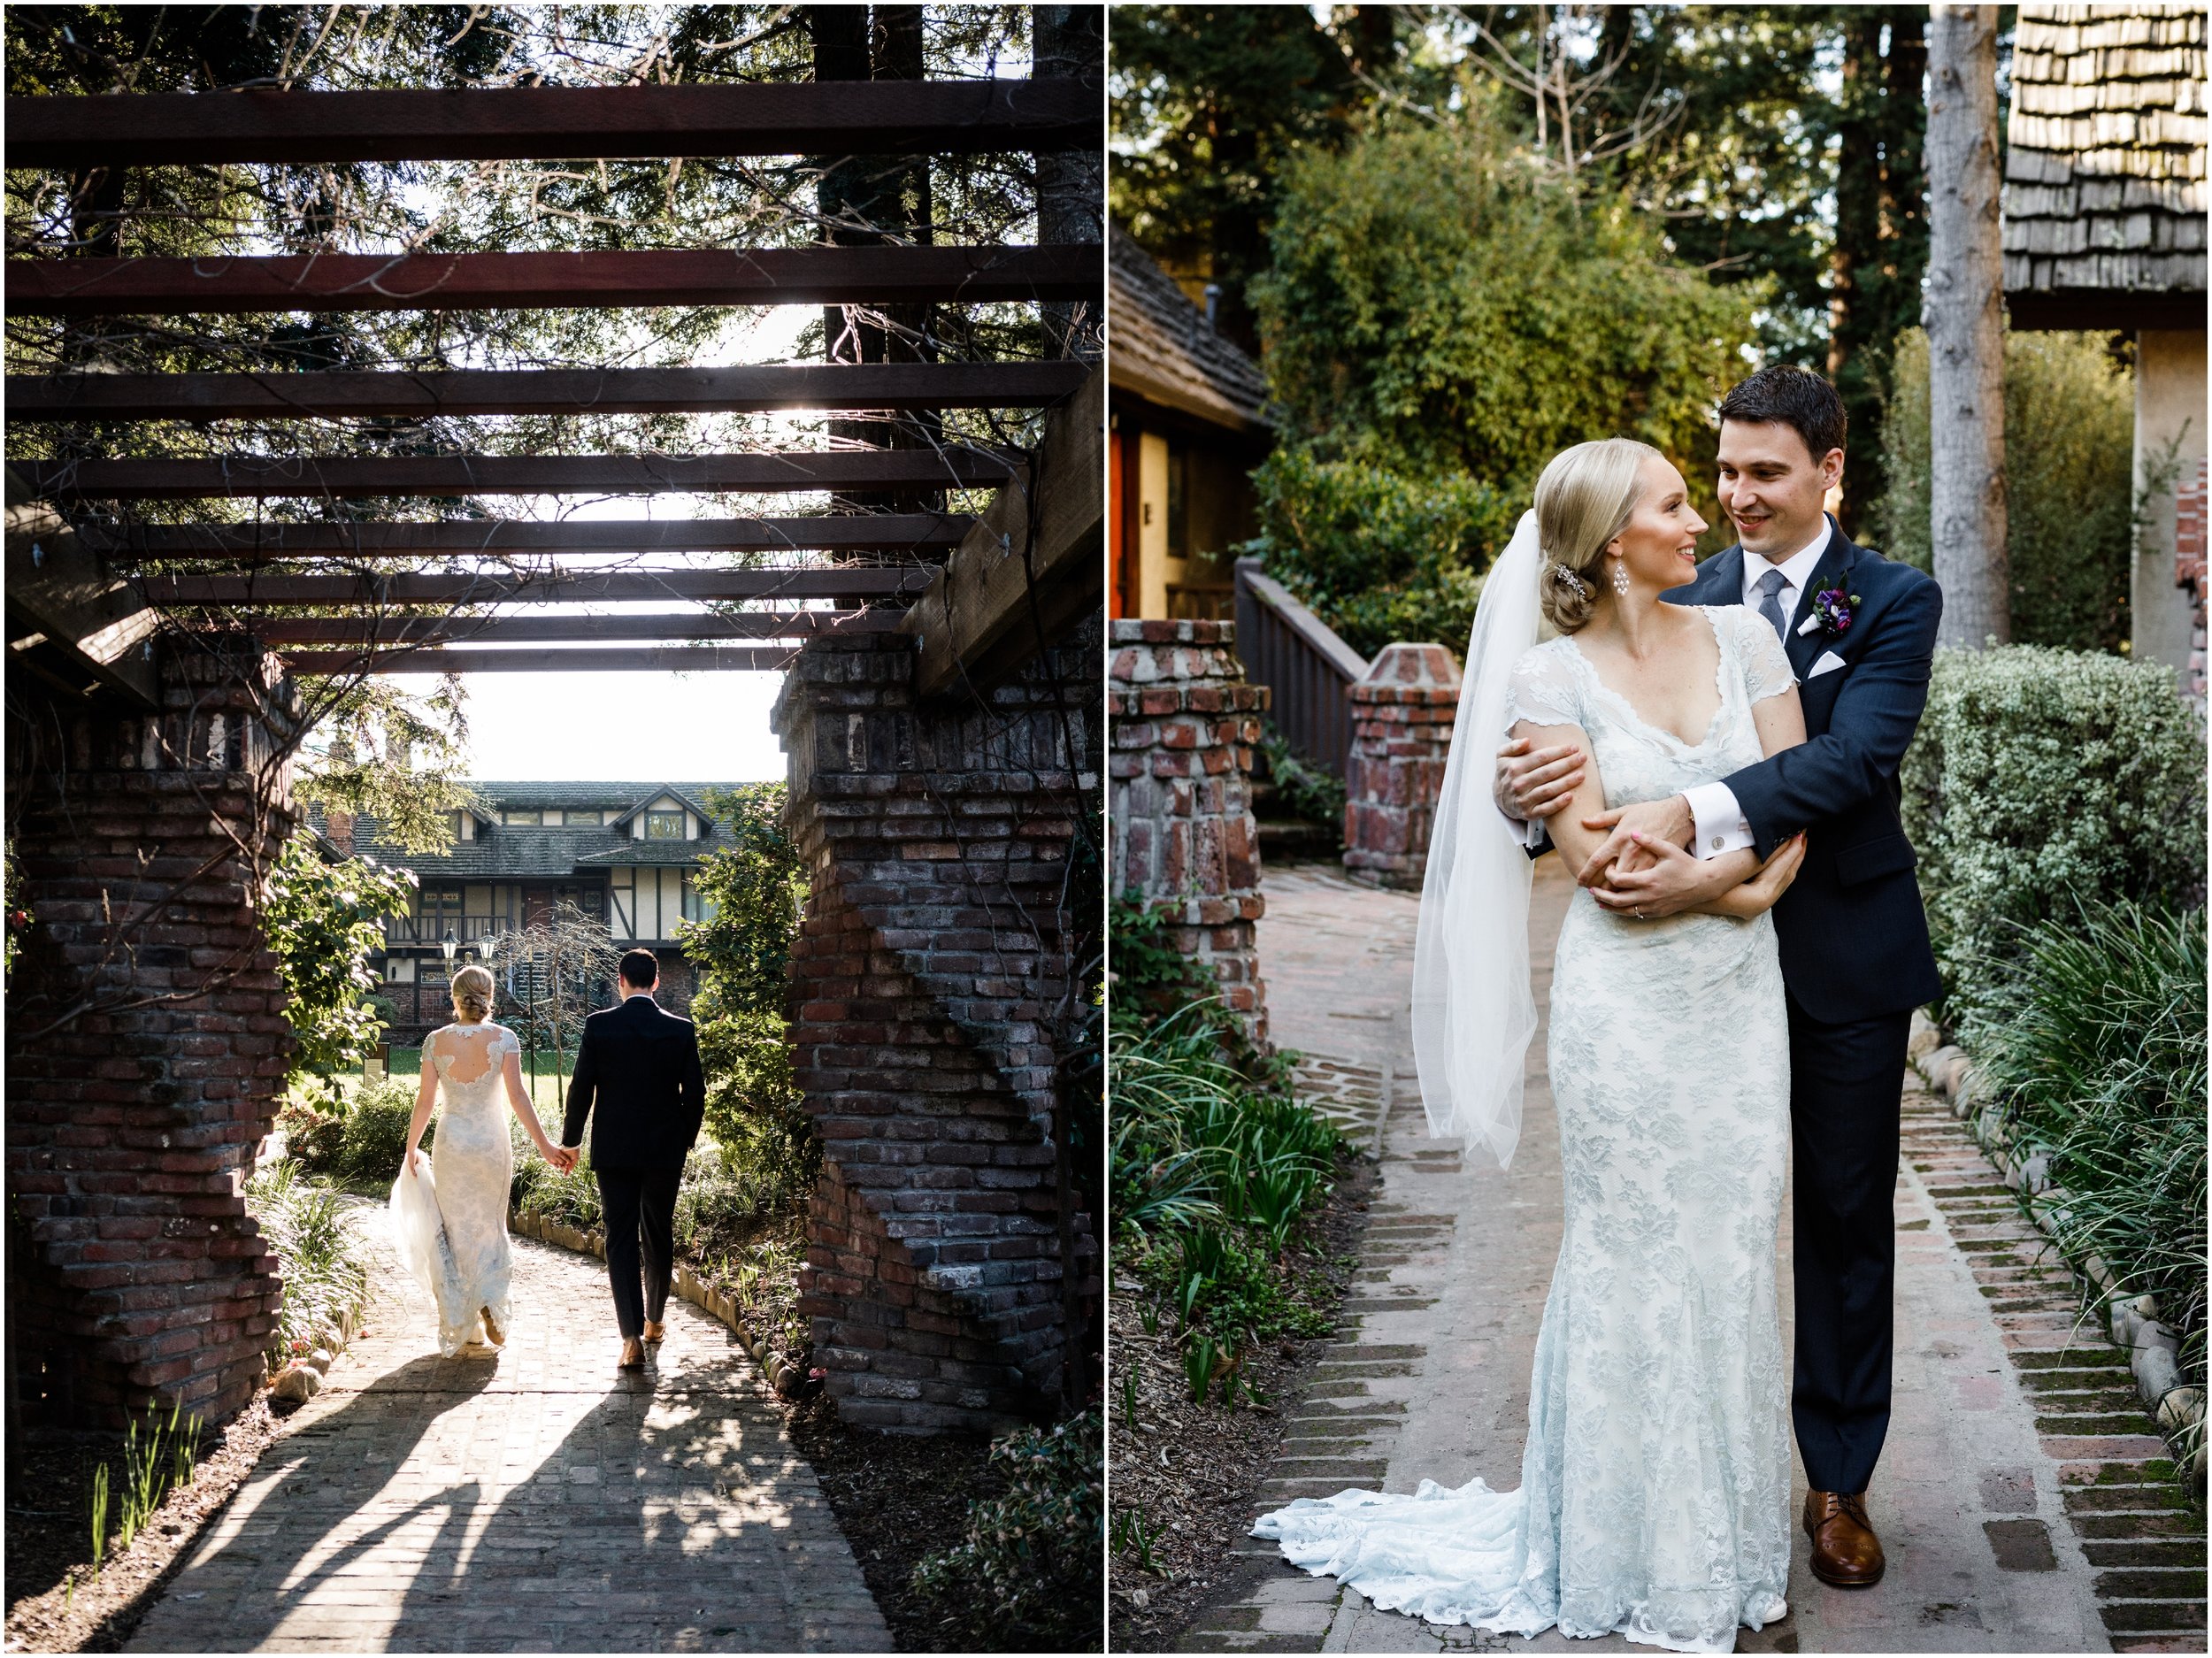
(319, 396)
(616, 659)
(255, 544)
(311, 476)
(569, 629)
(480, 281)
(568, 123)
(345, 592)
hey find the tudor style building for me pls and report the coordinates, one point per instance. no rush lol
(625, 854)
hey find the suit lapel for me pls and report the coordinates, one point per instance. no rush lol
(1803, 649)
(1719, 579)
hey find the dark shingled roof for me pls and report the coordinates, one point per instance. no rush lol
(506, 852)
(1163, 350)
(2105, 163)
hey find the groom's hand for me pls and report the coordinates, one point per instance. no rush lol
(1618, 853)
(1532, 786)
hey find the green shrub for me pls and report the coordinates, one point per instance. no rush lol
(375, 1139)
(2069, 434)
(2041, 777)
(1434, 309)
(1306, 792)
(323, 1259)
(1377, 553)
(543, 1190)
(2096, 1047)
(1028, 1573)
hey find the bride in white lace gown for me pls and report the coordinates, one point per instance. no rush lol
(1656, 1477)
(449, 1213)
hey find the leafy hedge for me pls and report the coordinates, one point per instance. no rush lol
(324, 1259)
(2041, 777)
(2069, 435)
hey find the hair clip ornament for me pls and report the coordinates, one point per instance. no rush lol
(1567, 578)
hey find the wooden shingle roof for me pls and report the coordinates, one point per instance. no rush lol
(2104, 200)
(1163, 350)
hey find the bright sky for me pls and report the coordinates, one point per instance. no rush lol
(636, 727)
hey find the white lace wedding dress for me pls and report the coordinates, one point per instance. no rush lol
(450, 1219)
(1655, 1489)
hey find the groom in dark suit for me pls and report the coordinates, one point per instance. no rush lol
(639, 1066)
(1860, 631)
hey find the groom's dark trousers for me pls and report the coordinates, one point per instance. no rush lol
(1856, 960)
(638, 1079)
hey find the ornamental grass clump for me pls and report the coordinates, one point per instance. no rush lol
(2095, 1050)
(2042, 778)
(322, 1256)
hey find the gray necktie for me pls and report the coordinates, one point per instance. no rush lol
(1771, 585)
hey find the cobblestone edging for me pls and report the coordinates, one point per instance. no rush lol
(2134, 1323)
(719, 1305)
(2142, 1538)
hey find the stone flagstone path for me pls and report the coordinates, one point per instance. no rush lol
(531, 1499)
(1975, 1497)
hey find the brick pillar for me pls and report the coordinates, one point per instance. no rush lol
(930, 970)
(1402, 732)
(134, 1274)
(1184, 723)
(2189, 554)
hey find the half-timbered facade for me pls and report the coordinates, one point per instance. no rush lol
(625, 855)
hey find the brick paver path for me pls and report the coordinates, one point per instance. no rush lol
(532, 1500)
(1430, 1378)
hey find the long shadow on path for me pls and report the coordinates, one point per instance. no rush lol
(531, 1499)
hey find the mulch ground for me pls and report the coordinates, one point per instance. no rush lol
(898, 1497)
(1187, 1472)
(56, 1603)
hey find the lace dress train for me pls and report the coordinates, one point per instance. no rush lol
(449, 1218)
(1654, 1501)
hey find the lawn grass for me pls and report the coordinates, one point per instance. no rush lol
(551, 1095)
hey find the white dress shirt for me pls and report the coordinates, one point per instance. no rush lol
(1721, 824)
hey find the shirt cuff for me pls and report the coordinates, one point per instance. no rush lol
(1530, 833)
(1721, 825)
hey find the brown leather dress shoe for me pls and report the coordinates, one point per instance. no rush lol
(632, 1354)
(1846, 1552)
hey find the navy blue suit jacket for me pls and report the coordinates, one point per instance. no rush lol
(1853, 933)
(638, 1079)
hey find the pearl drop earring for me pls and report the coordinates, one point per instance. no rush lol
(1620, 577)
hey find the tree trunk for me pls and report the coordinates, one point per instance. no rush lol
(1963, 312)
(1070, 43)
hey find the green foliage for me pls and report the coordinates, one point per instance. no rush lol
(1378, 554)
(2095, 1046)
(2041, 778)
(19, 914)
(322, 920)
(1027, 1572)
(1306, 791)
(2069, 434)
(323, 1260)
(545, 1191)
(742, 954)
(400, 758)
(357, 1139)
(1432, 310)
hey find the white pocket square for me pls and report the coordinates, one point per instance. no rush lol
(1828, 663)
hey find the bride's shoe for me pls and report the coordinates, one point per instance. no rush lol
(632, 1354)
(492, 1331)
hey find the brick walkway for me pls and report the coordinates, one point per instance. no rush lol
(534, 1500)
(1977, 1499)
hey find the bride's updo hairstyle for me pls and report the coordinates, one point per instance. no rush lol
(473, 994)
(1582, 500)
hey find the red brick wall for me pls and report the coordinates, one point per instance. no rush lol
(134, 1274)
(2189, 550)
(1183, 722)
(1402, 710)
(926, 984)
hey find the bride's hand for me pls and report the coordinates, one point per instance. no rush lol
(1660, 888)
(1776, 874)
(414, 1161)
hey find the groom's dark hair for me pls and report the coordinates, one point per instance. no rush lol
(640, 969)
(1793, 397)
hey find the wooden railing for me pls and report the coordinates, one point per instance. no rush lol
(1294, 652)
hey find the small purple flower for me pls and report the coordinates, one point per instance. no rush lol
(1831, 612)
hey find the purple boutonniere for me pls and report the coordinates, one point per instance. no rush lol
(1831, 613)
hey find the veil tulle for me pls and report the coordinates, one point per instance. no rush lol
(1473, 1010)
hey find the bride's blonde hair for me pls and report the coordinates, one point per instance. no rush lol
(473, 994)
(1584, 499)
